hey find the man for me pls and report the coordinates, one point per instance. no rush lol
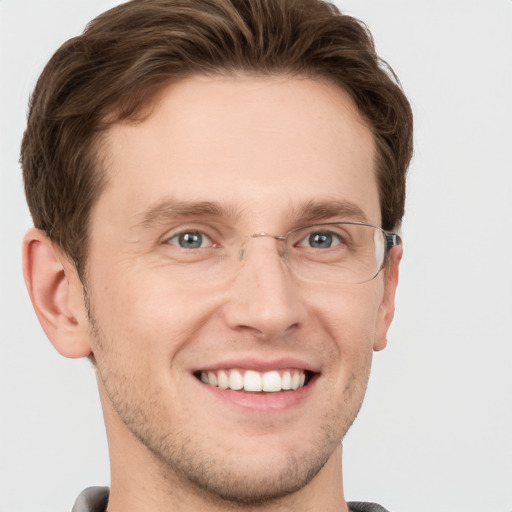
(214, 185)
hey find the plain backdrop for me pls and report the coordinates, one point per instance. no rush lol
(435, 432)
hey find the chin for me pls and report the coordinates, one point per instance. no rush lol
(247, 480)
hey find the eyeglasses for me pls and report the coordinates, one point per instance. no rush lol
(335, 253)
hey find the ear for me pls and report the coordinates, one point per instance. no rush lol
(56, 294)
(387, 307)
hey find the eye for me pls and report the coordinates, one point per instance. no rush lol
(321, 240)
(190, 240)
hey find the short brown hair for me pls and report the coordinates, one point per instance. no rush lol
(127, 54)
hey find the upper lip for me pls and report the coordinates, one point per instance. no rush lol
(260, 365)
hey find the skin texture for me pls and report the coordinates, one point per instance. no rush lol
(262, 149)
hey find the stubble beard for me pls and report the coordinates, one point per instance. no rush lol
(183, 462)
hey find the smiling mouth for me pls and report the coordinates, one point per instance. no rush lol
(252, 381)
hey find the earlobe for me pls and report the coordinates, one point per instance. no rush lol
(387, 307)
(53, 286)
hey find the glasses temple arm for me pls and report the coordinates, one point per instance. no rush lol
(392, 240)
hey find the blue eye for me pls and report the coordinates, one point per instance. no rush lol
(190, 240)
(321, 240)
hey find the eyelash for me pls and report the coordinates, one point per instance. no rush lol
(185, 233)
(211, 233)
(209, 240)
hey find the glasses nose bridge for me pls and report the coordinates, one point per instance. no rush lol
(262, 234)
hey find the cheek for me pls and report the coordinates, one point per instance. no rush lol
(350, 315)
(150, 316)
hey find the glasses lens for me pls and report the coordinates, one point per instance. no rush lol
(341, 253)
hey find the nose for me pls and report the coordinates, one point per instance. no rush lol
(264, 297)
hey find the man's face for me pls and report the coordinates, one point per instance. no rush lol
(215, 155)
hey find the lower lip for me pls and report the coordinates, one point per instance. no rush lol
(261, 402)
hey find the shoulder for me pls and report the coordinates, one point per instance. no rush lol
(360, 506)
(92, 499)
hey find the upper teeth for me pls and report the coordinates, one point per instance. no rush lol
(250, 380)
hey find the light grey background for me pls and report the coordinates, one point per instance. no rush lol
(435, 432)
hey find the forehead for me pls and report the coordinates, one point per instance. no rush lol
(257, 144)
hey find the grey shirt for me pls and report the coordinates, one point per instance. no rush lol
(95, 499)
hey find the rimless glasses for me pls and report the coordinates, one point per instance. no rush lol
(335, 253)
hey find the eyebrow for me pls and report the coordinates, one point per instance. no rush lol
(170, 209)
(318, 210)
(314, 210)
